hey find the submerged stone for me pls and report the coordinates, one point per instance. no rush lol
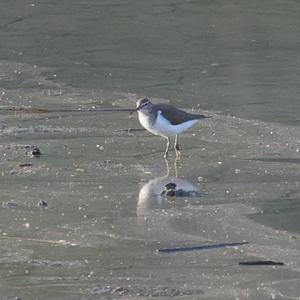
(171, 191)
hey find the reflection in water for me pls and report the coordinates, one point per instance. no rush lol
(153, 194)
(160, 208)
(159, 192)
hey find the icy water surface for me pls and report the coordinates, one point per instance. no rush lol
(86, 218)
(238, 58)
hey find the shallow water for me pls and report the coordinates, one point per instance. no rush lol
(238, 58)
(104, 216)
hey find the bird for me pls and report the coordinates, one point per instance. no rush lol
(165, 120)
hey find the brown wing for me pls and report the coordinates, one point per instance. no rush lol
(176, 116)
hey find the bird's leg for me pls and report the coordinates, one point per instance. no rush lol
(176, 147)
(168, 147)
(168, 168)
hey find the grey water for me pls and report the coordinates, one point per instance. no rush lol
(85, 219)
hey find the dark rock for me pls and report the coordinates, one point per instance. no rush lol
(42, 204)
(170, 186)
(36, 152)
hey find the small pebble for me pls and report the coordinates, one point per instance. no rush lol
(36, 152)
(237, 171)
(42, 204)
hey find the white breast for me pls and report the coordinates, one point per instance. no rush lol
(146, 123)
(163, 127)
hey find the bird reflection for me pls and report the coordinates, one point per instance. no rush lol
(161, 192)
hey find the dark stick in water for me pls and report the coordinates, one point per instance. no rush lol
(204, 247)
(261, 263)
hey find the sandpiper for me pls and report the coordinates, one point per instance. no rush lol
(165, 120)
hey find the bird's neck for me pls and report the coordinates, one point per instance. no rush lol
(151, 118)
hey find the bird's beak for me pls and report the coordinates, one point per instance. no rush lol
(135, 110)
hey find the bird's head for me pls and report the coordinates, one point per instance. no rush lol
(144, 105)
